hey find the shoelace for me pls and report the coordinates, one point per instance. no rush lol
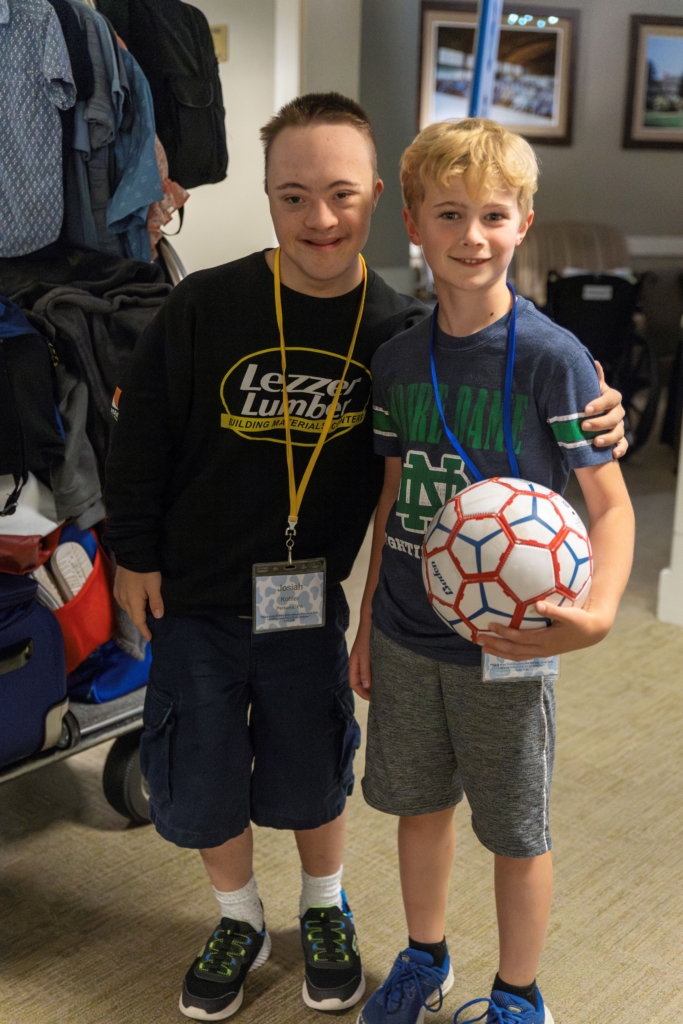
(405, 973)
(327, 946)
(494, 1014)
(223, 951)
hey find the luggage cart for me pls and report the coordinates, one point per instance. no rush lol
(87, 725)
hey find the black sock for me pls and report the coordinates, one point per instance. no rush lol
(437, 950)
(527, 992)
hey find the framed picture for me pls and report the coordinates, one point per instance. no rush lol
(535, 73)
(654, 103)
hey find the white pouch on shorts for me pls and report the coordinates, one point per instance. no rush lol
(493, 667)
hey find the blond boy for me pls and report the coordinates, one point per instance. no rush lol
(436, 731)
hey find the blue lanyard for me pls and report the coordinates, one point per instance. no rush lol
(507, 394)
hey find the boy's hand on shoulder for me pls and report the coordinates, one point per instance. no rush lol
(572, 629)
(133, 591)
(360, 667)
(610, 413)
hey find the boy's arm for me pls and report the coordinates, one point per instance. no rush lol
(360, 673)
(612, 529)
(153, 407)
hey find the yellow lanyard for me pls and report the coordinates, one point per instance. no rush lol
(296, 495)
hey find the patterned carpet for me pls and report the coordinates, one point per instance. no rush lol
(100, 921)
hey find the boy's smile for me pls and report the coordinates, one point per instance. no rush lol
(468, 241)
(322, 187)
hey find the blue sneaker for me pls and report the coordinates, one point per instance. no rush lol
(414, 986)
(504, 1008)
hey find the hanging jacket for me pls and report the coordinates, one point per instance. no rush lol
(172, 43)
(35, 82)
(96, 123)
(139, 182)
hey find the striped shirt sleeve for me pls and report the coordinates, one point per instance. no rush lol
(570, 393)
(386, 437)
(568, 433)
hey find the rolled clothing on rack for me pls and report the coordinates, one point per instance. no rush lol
(93, 309)
(99, 334)
(26, 279)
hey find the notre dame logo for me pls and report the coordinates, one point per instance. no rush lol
(425, 488)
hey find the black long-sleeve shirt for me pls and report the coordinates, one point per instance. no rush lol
(197, 473)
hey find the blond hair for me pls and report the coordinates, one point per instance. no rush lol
(483, 153)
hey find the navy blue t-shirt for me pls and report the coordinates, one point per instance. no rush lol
(554, 379)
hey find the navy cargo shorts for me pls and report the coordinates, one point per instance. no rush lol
(242, 727)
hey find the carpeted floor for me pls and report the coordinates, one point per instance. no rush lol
(98, 922)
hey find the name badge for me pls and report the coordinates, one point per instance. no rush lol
(494, 668)
(289, 595)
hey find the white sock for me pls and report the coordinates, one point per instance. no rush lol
(320, 892)
(242, 905)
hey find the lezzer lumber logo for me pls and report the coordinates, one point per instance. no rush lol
(251, 393)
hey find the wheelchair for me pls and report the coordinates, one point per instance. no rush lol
(600, 310)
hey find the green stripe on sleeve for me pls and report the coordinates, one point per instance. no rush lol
(570, 432)
(382, 421)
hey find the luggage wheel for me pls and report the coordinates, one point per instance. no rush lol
(124, 785)
(70, 734)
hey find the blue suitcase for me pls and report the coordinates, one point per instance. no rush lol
(33, 698)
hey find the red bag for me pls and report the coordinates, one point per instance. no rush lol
(19, 555)
(88, 619)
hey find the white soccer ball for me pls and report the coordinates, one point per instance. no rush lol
(496, 549)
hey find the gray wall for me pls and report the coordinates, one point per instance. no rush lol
(331, 46)
(640, 191)
(388, 91)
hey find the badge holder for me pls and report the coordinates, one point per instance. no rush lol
(289, 595)
(495, 669)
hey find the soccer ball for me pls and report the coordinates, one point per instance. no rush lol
(497, 548)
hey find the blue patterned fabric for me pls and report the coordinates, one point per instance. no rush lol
(136, 164)
(35, 80)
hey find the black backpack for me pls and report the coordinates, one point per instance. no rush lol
(172, 43)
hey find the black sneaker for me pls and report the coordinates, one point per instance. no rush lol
(334, 977)
(212, 989)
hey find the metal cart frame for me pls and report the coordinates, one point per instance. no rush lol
(87, 725)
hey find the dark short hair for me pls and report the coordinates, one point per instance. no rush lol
(323, 107)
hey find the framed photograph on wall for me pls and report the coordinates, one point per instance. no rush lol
(654, 101)
(535, 74)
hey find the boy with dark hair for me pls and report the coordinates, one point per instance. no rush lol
(438, 727)
(240, 725)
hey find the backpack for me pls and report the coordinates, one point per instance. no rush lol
(172, 43)
(33, 697)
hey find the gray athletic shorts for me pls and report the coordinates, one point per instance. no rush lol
(436, 732)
